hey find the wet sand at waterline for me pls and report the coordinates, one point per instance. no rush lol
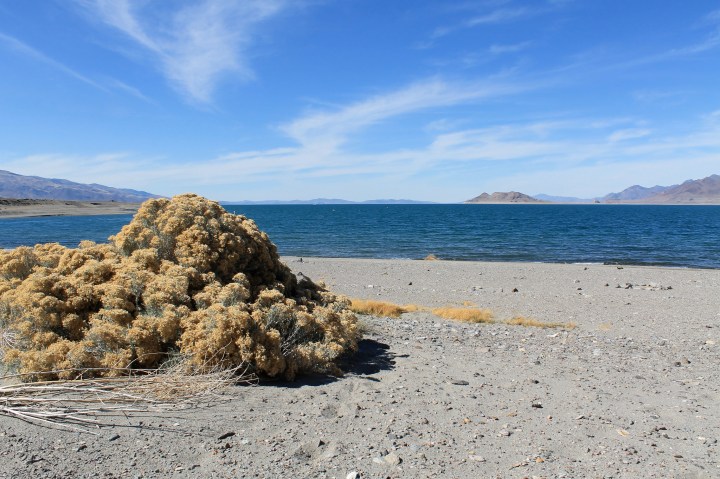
(631, 391)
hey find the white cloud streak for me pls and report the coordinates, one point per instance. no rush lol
(332, 128)
(26, 50)
(197, 44)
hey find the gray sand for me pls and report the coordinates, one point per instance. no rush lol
(633, 391)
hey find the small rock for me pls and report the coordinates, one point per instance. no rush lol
(114, 437)
(537, 405)
(392, 459)
(353, 475)
(476, 458)
(226, 435)
(515, 290)
(459, 382)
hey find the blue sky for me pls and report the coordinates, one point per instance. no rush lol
(361, 99)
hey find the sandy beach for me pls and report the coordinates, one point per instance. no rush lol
(19, 208)
(631, 392)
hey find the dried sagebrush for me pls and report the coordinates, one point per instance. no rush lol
(183, 276)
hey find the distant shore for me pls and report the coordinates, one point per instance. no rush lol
(25, 208)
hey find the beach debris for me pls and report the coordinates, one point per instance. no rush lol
(226, 435)
(459, 382)
(515, 290)
(476, 458)
(647, 287)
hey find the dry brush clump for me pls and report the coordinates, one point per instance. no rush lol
(183, 277)
(381, 308)
(468, 313)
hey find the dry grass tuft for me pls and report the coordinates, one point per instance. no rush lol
(534, 323)
(468, 315)
(380, 308)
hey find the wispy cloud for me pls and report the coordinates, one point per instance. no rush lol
(711, 41)
(105, 84)
(26, 50)
(196, 44)
(511, 48)
(628, 134)
(331, 128)
(500, 15)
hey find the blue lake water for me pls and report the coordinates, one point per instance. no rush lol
(686, 236)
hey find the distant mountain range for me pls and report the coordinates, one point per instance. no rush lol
(34, 187)
(702, 191)
(691, 192)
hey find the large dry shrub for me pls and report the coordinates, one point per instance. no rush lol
(184, 276)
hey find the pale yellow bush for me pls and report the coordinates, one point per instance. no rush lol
(184, 276)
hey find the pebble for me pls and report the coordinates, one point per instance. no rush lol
(459, 382)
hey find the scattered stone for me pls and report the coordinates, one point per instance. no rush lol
(114, 437)
(353, 475)
(459, 382)
(226, 435)
(476, 458)
(515, 290)
(392, 459)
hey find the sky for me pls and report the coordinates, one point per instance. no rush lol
(361, 99)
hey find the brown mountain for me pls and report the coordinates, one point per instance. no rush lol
(704, 191)
(504, 197)
(13, 185)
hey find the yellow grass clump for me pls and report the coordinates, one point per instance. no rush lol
(380, 308)
(468, 315)
(530, 322)
(183, 277)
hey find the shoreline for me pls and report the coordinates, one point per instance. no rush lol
(32, 208)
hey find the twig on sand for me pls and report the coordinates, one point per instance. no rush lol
(79, 404)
